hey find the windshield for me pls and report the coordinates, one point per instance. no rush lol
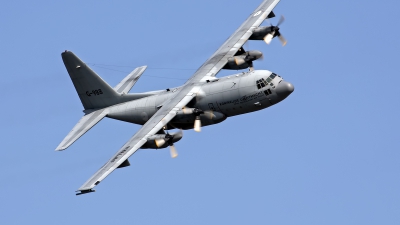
(262, 82)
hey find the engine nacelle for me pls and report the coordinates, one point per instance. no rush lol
(242, 61)
(158, 141)
(185, 119)
(260, 32)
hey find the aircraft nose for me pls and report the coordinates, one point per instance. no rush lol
(284, 89)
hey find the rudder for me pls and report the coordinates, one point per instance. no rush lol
(93, 91)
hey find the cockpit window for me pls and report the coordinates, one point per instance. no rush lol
(258, 84)
(263, 83)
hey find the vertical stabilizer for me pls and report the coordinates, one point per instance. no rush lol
(93, 91)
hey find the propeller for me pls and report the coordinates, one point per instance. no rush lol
(248, 58)
(173, 151)
(251, 67)
(276, 33)
(197, 121)
(240, 60)
(160, 142)
(197, 113)
(168, 139)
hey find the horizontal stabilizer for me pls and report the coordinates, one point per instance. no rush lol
(127, 83)
(84, 124)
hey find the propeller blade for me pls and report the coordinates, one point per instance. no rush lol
(251, 67)
(283, 40)
(239, 60)
(173, 151)
(187, 111)
(268, 38)
(281, 20)
(159, 142)
(209, 114)
(269, 21)
(197, 124)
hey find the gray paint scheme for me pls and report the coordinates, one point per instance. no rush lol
(84, 124)
(86, 82)
(220, 98)
(127, 83)
(218, 60)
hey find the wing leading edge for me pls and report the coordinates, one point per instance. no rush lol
(229, 48)
(156, 123)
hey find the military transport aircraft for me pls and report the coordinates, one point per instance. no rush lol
(203, 100)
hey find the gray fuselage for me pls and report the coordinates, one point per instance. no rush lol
(224, 97)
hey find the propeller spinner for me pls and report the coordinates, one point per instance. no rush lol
(197, 121)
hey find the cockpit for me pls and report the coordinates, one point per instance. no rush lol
(263, 83)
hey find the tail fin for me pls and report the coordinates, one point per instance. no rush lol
(93, 91)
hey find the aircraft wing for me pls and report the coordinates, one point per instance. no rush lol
(165, 114)
(184, 95)
(218, 60)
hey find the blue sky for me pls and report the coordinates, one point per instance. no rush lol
(328, 154)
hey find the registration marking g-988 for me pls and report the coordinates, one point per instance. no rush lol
(94, 92)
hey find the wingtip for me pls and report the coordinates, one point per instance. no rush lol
(58, 149)
(82, 192)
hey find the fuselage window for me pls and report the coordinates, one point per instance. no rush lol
(267, 92)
